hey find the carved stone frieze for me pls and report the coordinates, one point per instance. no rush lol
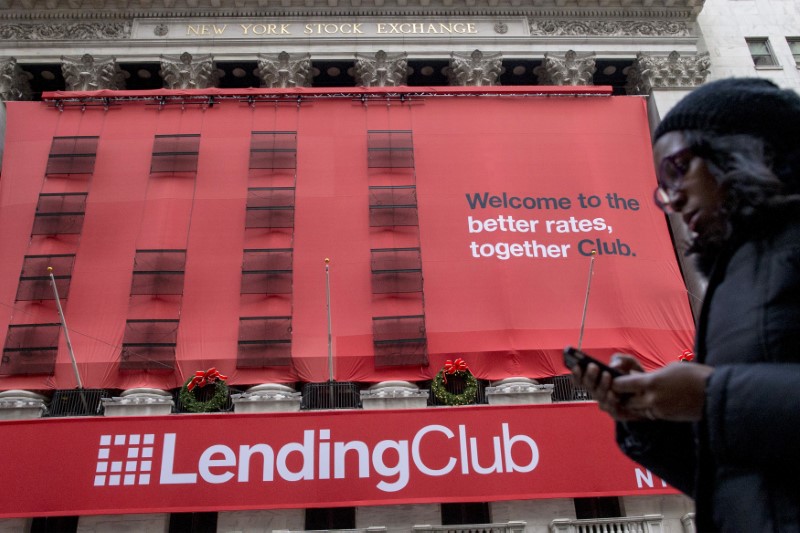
(572, 69)
(186, 72)
(381, 70)
(610, 28)
(650, 72)
(61, 31)
(475, 69)
(282, 71)
(14, 82)
(87, 73)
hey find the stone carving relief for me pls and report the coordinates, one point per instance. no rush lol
(14, 82)
(186, 72)
(572, 69)
(475, 69)
(610, 28)
(84, 31)
(87, 73)
(282, 71)
(381, 70)
(674, 71)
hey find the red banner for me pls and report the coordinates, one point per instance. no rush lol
(192, 463)
(512, 193)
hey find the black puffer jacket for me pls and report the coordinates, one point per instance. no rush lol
(742, 462)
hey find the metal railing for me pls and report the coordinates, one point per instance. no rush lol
(632, 524)
(564, 389)
(331, 395)
(76, 402)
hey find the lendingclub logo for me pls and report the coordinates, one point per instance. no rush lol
(124, 460)
(432, 451)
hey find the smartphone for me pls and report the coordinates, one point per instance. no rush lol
(574, 357)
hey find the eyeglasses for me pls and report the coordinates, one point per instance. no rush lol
(670, 174)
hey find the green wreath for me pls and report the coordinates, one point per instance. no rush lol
(448, 398)
(193, 405)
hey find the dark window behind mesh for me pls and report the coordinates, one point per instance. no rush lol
(72, 155)
(264, 341)
(59, 213)
(396, 270)
(273, 149)
(149, 345)
(34, 281)
(393, 206)
(390, 149)
(465, 513)
(175, 153)
(267, 271)
(400, 340)
(30, 349)
(270, 207)
(158, 272)
(330, 518)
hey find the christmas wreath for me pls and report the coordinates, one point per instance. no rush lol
(455, 368)
(199, 380)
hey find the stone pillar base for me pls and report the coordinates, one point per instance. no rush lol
(269, 397)
(139, 402)
(518, 390)
(21, 405)
(394, 395)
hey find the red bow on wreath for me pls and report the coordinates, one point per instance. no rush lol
(687, 355)
(201, 379)
(451, 367)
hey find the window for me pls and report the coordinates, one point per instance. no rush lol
(175, 153)
(270, 207)
(264, 341)
(794, 46)
(465, 513)
(193, 523)
(390, 149)
(396, 270)
(158, 272)
(59, 213)
(34, 281)
(54, 524)
(267, 271)
(393, 206)
(149, 345)
(588, 508)
(273, 149)
(72, 155)
(30, 349)
(331, 518)
(761, 52)
(400, 340)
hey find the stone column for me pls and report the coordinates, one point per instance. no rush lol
(518, 390)
(14, 82)
(475, 69)
(269, 397)
(394, 395)
(89, 73)
(572, 69)
(283, 71)
(381, 70)
(666, 80)
(21, 405)
(139, 402)
(187, 72)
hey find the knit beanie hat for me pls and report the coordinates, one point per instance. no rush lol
(752, 106)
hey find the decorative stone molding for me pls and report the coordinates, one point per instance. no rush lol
(269, 397)
(139, 402)
(187, 72)
(21, 405)
(475, 69)
(573, 69)
(87, 73)
(649, 72)
(687, 521)
(609, 28)
(649, 523)
(518, 390)
(14, 82)
(394, 395)
(62, 31)
(282, 71)
(382, 70)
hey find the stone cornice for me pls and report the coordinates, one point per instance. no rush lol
(40, 10)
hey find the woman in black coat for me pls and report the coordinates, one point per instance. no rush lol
(726, 428)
